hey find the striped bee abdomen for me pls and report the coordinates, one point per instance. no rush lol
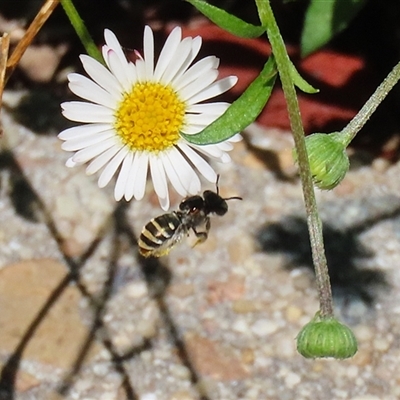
(160, 234)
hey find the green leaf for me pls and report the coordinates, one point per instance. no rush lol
(241, 112)
(300, 82)
(226, 21)
(324, 19)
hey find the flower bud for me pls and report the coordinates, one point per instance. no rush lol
(328, 159)
(326, 337)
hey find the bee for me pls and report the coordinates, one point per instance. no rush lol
(162, 233)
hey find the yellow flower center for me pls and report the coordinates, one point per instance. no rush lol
(150, 117)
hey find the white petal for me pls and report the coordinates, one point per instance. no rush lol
(131, 180)
(159, 181)
(101, 160)
(225, 158)
(182, 53)
(217, 108)
(111, 167)
(158, 177)
(210, 150)
(132, 74)
(141, 70)
(214, 89)
(141, 176)
(198, 86)
(192, 129)
(164, 203)
(82, 131)
(195, 185)
(82, 142)
(119, 69)
(197, 70)
(87, 154)
(148, 50)
(213, 151)
(168, 52)
(187, 175)
(196, 44)
(104, 52)
(122, 180)
(225, 146)
(173, 176)
(102, 76)
(199, 119)
(79, 111)
(236, 138)
(202, 165)
(70, 163)
(113, 43)
(88, 90)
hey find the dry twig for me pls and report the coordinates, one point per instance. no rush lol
(41, 17)
(4, 46)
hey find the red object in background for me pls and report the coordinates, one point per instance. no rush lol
(344, 81)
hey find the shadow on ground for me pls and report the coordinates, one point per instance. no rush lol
(355, 288)
(156, 275)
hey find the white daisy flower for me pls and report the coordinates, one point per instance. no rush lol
(135, 113)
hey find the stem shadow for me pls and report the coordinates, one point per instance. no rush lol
(355, 288)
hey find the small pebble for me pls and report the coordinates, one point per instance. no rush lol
(248, 356)
(180, 371)
(182, 395)
(264, 327)
(241, 326)
(253, 394)
(301, 279)
(135, 290)
(292, 379)
(293, 313)
(352, 371)
(148, 396)
(381, 344)
(100, 369)
(363, 333)
(242, 306)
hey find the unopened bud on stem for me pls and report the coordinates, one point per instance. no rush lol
(326, 337)
(328, 160)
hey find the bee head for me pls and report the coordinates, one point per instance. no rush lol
(216, 204)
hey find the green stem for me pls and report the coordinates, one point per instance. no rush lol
(314, 222)
(81, 31)
(354, 126)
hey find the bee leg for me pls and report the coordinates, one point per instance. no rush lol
(202, 236)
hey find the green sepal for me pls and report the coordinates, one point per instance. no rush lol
(226, 21)
(242, 112)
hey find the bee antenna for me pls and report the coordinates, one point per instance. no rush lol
(216, 183)
(229, 198)
(234, 198)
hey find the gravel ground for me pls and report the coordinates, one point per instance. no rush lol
(83, 317)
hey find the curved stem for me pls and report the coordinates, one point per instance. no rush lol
(354, 126)
(81, 30)
(313, 220)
